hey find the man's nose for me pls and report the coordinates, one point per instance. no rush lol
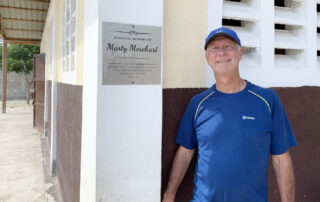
(222, 50)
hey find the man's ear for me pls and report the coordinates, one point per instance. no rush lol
(241, 51)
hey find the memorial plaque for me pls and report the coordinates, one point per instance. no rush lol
(131, 54)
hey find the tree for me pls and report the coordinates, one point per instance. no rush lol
(20, 61)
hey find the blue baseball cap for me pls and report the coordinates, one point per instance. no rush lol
(222, 31)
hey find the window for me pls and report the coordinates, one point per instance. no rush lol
(230, 22)
(69, 35)
(234, 0)
(279, 3)
(281, 38)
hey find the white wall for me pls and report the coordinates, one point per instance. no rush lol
(261, 65)
(121, 132)
(129, 119)
(89, 102)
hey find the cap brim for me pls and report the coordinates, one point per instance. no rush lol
(219, 34)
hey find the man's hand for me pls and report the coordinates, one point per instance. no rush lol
(285, 176)
(179, 168)
(167, 197)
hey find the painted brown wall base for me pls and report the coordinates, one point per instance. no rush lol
(69, 121)
(175, 101)
(39, 91)
(302, 107)
(47, 123)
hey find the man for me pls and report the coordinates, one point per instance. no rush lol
(235, 125)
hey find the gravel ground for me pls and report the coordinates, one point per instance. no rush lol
(21, 161)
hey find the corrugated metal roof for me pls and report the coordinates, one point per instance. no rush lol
(23, 20)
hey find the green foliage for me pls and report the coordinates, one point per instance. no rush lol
(20, 58)
(20, 61)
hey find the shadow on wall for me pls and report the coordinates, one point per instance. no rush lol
(302, 107)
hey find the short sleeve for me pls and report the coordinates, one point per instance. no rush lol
(282, 135)
(186, 135)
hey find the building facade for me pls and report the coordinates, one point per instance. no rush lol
(116, 142)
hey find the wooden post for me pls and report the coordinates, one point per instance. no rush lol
(4, 77)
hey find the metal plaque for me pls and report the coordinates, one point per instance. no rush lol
(131, 54)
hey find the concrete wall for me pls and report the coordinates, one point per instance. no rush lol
(301, 105)
(297, 73)
(184, 30)
(121, 125)
(63, 95)
(88, 178)
(298, 66)
(129, 119)
(184, 75)
(69, 118)
(51, 44)
(16, 86)
(121, 131)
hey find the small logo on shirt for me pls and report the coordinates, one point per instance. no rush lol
(248, 118)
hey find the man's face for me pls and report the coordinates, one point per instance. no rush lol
(223, 55)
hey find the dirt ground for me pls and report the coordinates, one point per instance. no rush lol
(22, 176)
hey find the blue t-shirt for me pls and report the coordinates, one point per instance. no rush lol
(234, 134)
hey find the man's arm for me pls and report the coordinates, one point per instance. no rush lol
(285, 177)
(179, 168)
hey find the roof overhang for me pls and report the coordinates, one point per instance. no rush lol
(22, 21)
